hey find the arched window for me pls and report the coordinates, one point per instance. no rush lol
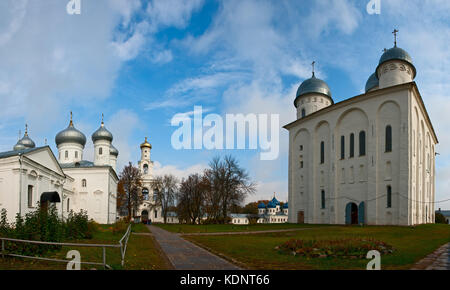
(303, 113)
(342, 147)
(145, 193)
(323, 199)
(100, 151)
(388, 138)
(322, 152)
(83, 183)
(389, 196)
(352, 145)
(145, 168)
(362, 143)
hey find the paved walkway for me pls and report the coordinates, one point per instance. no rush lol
(438, 260)
(185, 255)
(242, 233)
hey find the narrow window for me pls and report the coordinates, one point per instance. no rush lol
(303, 113)
(389, 196)
(323, 199)
(76, 154)
(362, 143)
(100, 151)
(301, 164)
(388, 138)
(352, 145)
(67, 154)
(68, 204)
(342, 147)
(30, 195)
(322, 152)
(156, 214)
(83, 183)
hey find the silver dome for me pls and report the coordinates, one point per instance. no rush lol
(113, 151)
(70, 135)
(372, 82)
(102, 134)
(313, 85)
(396, 53)
(25, 142)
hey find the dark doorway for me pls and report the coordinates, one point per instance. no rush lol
(301, 217)
(351, 214)
(144, 216)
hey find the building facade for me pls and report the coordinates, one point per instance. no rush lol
(367, 160)
(30, 174)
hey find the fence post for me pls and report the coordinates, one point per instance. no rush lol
(104, 258)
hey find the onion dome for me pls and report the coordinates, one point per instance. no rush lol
(275, 201)
(25, 142)
(372, 82)
(113, 151)
(313, 86)
(271, 205)
(285, 205)
(396, 53)
(261, 205)
(70, 135)
(146, 144)
(102, 134)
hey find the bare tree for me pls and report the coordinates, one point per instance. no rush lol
(228, 185)
(191, 198)
(165, 188)
(129, 191)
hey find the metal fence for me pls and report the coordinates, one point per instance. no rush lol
(123, 242)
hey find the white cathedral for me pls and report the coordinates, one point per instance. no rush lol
(30, 174)
(369, 159)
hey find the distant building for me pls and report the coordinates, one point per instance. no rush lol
(272, 213)
(446, 214)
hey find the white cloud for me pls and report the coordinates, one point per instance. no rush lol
(176, 13)
(180, 173)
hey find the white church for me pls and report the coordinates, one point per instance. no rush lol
(369, 159)
(30, 174)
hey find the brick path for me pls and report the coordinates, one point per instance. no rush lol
(438, 260)
(186, 256)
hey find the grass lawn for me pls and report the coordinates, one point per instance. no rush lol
(143, 253)
(258, 251)
(182, 228)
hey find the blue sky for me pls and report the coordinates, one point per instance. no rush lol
(141, 62)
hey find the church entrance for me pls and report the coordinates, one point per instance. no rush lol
(144, 216)
(351, 214)
(301, 217)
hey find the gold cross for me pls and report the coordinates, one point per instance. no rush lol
(313, 63)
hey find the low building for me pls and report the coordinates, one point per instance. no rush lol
(273, 212)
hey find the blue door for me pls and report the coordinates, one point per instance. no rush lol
(348, 214)
(361, 213)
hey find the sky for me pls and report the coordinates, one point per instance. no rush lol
(142, 62)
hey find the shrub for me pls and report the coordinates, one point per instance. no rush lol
(440, 218)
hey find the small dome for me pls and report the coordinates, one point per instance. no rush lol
(271, 205)
(113, 151)
(285, 205)
(396, 53)
(372, 82)
(261, 205)
(275, 201)
(102, 134)
(313, 85)
(70, 135)
(146, 144)
(25, 142)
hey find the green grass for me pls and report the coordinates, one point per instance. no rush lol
(182, 228)
(258, 251)
(143, 253)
